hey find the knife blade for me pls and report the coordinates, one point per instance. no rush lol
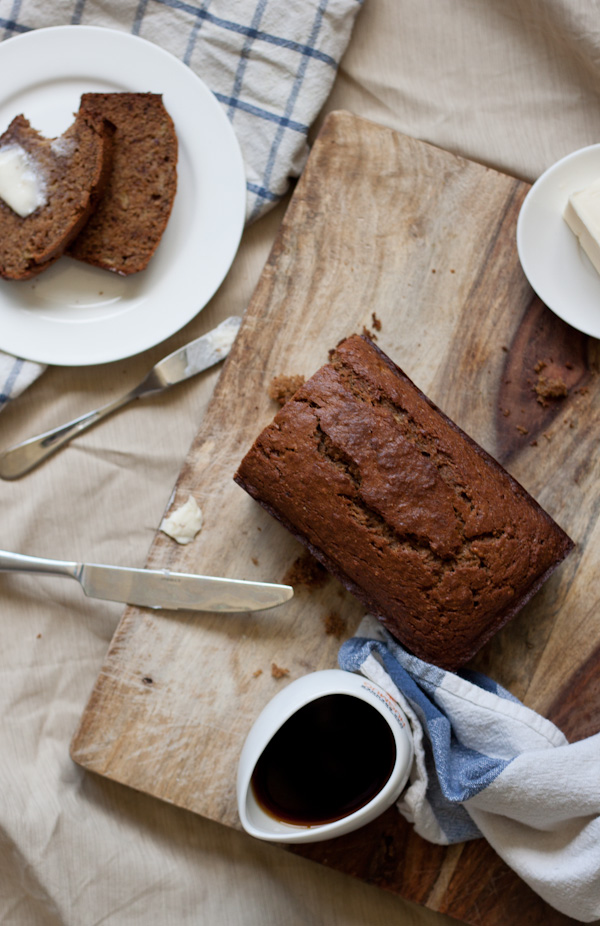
(156, 588)
(183, 363)
(198, 355)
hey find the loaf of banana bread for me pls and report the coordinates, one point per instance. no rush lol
(421, 524)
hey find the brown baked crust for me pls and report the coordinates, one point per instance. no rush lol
(421, 524)
(75, 170)
(130, 219)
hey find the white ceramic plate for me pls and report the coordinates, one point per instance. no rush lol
(550, 254)
(74, 314)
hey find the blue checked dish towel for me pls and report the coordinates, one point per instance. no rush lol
(270, 63)
(486, 765)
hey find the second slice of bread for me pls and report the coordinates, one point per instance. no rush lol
(129, 221)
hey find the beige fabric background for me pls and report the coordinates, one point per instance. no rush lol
(511, 83)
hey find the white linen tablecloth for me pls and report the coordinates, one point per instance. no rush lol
(511, 83)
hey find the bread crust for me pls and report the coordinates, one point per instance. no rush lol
(421, 524)
(129, 221)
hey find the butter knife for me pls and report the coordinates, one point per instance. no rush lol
(159, 588)
(183, 363)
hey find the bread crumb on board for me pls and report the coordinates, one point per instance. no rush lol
(306, 570)
(278, 672)
(282, 388)
(550, 387)
(334, 624)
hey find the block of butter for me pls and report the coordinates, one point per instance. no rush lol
(582, 215)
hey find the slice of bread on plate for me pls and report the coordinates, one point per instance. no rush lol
(69, 173)
(130, 218)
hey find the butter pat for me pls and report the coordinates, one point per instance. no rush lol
(22, 186)
(223, 336)
(184, 523)
(582, 215)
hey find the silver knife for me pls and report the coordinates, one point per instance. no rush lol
(183, 363)
(156, 588)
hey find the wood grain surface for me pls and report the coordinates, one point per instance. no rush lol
(382, 229)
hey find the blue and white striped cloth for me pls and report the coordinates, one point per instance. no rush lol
(486, 765)
(16, 375)
(270, 63)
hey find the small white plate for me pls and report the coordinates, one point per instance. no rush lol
(550, 254)
(74, 314)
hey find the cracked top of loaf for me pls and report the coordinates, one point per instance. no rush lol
(421, 524)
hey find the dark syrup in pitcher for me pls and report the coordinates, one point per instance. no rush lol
(328, 760)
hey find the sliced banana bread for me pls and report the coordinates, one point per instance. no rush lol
(71, 172)
(129, 221)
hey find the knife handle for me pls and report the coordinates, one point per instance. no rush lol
(18, 562)
(23, 457)
(187, 361)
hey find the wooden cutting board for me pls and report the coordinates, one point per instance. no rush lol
(418, 246)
